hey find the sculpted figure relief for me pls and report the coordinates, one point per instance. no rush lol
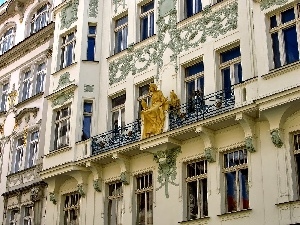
(153, 117)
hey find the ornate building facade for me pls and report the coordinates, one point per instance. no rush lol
(157, 112)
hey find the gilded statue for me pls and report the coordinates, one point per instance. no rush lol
(153, 116)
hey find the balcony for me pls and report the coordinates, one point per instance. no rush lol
(199, 109)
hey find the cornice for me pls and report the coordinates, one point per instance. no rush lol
(70, 87)
(26, 101)
(27, 45)
(282, 70)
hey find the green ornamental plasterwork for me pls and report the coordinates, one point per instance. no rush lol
(80, 190)
(62, 98)
(64, 80)
(249, 144)
(167, 168)
(93, 8)
(210, 154)
(69, 14)
(97, 185)
(118, 3)
(179, 39)
(265, 4)
(52, 198)
(276, 138)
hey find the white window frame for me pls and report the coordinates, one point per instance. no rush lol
(145, 97)
(69, 207)
(32, 145)
(123, 28)
(39, 88)
(21, 151)
(28, 218)
(119, 109)
(4, 95)
(116, 197)
(64, 48)
(199, 178)
(7, 40)
(90, 35)
(87, 114)
(194, 78)
(14, 220)
(26, 80)
(58, 122)
(144, 190)
(43, 23)
(148, 14)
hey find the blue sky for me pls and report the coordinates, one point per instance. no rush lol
(2, 1)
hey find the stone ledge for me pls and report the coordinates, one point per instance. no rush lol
(58, 151)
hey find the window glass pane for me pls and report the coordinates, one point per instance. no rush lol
(273, 21)
(194, 69)
(118, 100)
(190, 90)
(144, 27)
(121, 21)
(243, 182)
(231, 191)
(297, 159)
(291, 45)
(230, 54)
(287, 15)
(226, 78)
(148, 7)
(86, 130)
(237, 73)
(276, 52)
(92, 29)
(87, 107)
(91, 49)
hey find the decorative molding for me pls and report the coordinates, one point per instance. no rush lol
(210, 154)
(276, 137)
(190, 35)
(26, 113)
(62, 98)
(235, 215)
(64, 80)
(118, 3)
(80, 190)
(166, 167)
(58, 151)
(93, 8)
(249, 144)
(265, 4)
(52, 198)
(12, 97)
(35, 193)
(124, 163)
(69, 14)
(248, 125)
(88, 88)
(97, 185)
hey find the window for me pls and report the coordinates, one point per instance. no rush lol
(194, 82)
(118, 111)
(40, 78)
(7, 41)
(192, 7)
(18, 160)
(68, 50)
(40, 19)
(90, 55)
(231, 69)
(297, 159)
(147, 20)
(26, 85)
(236, 176)
(71, 209)
(28, 215)
(14, 216)
(196, 190)
(285, 36)
(62, 128)
(144, 95)
(4, 97)
(121, 32)
(33, 149)
(115, 200)
(144, 197)
(87, 120)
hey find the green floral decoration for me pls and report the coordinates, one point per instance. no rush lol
(118, 3)
(69, 14)
(93, 8)
(265, 4)
(167, 168)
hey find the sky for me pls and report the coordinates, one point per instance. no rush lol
(2, 1)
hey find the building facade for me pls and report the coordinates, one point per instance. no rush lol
(160, 112)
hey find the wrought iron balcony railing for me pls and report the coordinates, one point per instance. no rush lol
(116, 138)
(201, 108)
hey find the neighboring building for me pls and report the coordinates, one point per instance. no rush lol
(158, 112)
(26, 34)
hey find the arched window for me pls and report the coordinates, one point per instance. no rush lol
(40, 18)
(7, 41)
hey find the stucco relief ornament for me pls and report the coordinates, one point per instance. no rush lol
(93, 8)
(80, 190)
(124, 177)
(96, 185)
(88, 88)
(52, 198)
(249, 144)
(61, 99)
(210, 154)
(265, 4)
(276, 139)
(153, 117)
(35, 194)
(167, 168)
(12, 97)
(64, 80)
(69, 14)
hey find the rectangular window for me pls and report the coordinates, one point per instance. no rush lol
(40, 19)
(118, 112)
(33, 149)
(40, 78)
(115, 200)
(144, 98)
(26, 85)
(192, 7)
(196, 181)
(71, 209)
(236, 176)
(18, 160)
(91, 43)
(62, 128)
(121, 33)
(285, 36)
(87, 120)
(231, 69)
(144, 198)
(68, 50)
(14, 217)
(28, 215)
(7, 41)
(194, 82)
(4, 97)
(297, 160)
(147, 20)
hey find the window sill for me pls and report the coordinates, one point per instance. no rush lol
(58, 151)
(65, 68)
(21, 171)
(235, 214)
(194, 221)
(91, 61)
(29, 99)
(288, 202)
(281, 70)
(83, 141)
